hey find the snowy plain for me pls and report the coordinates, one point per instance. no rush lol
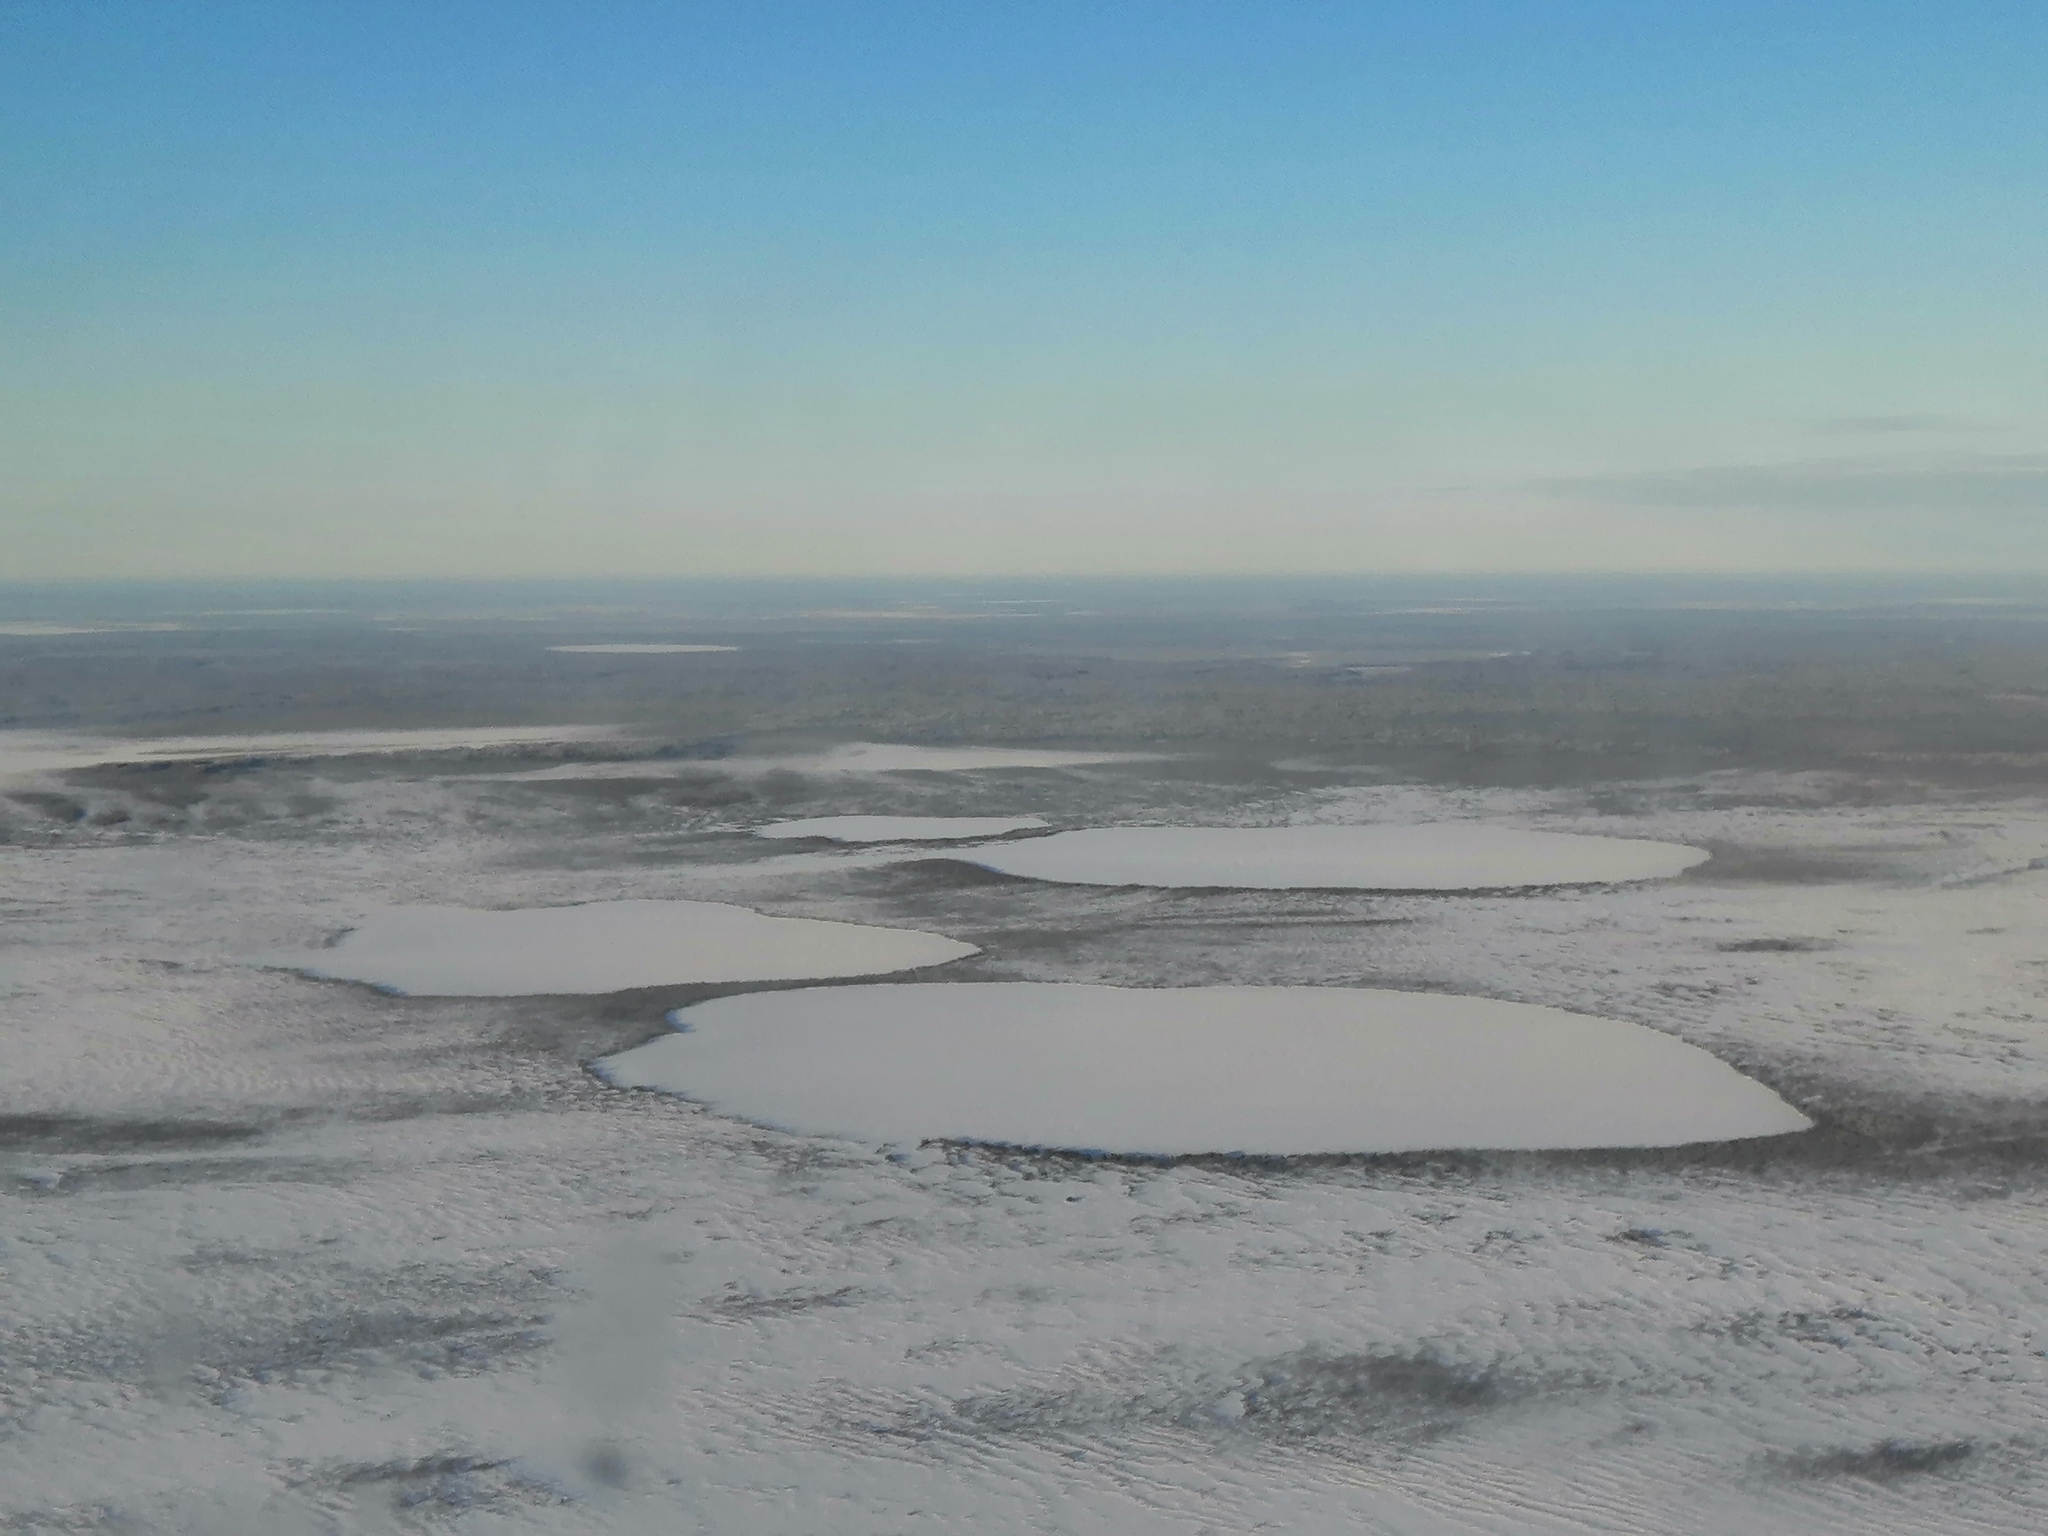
(287, 1257)
(1163, 1071)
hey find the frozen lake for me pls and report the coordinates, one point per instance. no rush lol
(901, 829)
(640, 649)
(1270, 1070)
(1440, 856)
(854, 757)
(608, 946)
(25, 754)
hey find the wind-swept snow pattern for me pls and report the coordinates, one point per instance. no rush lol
(1435, 856)
(609, 946)
(901, 829)
(1267, 1070)
(640, 650)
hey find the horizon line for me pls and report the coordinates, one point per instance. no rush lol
(1464, 573)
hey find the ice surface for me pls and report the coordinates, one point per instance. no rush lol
(609, 946)
(1436, 856)
(900, 829)
(26, 753)
(885, 757)
(850, 757)
(37, 630)
(1276, 1070)
(639, 650)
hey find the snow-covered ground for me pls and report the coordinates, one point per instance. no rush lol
(607, 946)
(286, 1256)
(1178, 1070)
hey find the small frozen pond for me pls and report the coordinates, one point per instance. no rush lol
(26, 753)
(848, 757)
(608, 946)
(35, 629)
(888, 757)
(901, 829)
(640, 650)
(1273, 1070)
(1436, 856)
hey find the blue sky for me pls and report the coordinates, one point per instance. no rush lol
(517, 289)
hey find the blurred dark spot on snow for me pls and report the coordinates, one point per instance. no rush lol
(1885, 1460)
(1775, 946)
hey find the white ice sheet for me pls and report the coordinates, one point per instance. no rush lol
(900, 829)
(1435, 856)
(608, 946)
(26, 753)
(849, 757)
(1276, 1070)
(32, 629)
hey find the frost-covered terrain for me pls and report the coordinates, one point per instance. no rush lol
(1168, 1071)
(900, 829)
(284, 1255)
(607, 946)
(1436, 856)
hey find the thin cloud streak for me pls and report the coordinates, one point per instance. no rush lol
(1891, 426)
(1994, 485)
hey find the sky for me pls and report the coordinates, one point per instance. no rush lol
(852, 287)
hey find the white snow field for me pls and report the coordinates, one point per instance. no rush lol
(1437, 856)
(608, 946)
(640, 649)
(289, 1259)
(901, 829)
(849, 757)
(1164, 1071)
(26, 754)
